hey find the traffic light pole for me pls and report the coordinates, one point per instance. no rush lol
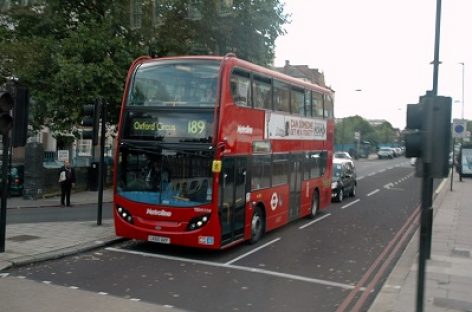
(426, 229)
(3, 212)
(425, 232)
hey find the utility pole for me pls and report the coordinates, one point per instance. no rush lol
(101, 167)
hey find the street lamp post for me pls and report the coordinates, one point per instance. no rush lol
(463, 70)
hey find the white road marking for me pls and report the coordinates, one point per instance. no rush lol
(252, 251)
(373, 192)
(314, 221)
(102, 293)
(238, 267)
(360, 178)
(351, 203)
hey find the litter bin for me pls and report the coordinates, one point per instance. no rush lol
(93, 176)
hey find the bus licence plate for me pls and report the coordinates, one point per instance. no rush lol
(159, 239)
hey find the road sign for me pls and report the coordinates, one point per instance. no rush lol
(459, 128)
(63, 155)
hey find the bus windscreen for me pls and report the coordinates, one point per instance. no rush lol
(183, 83)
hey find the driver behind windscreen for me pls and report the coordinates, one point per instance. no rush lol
(158, 175)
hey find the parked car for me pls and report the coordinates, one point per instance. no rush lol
(344, 181)
(15, 180)
(385, 152)
(397, 152)
(342, 155)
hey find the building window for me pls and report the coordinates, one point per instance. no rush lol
(136, 14)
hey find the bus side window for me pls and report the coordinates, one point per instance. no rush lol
(323, 162)
(328, 106)
(261, 172)
(308, 110)
(297, 102)
(241, 87)
(262, 92)
(281, 97)
(317, 104)
(314, 165)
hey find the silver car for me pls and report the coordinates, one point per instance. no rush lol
(385, 152)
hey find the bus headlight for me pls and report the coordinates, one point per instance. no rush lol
(198, 222)
(124, 214)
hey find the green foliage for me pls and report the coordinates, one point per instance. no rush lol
(379, 134)
(69, 52)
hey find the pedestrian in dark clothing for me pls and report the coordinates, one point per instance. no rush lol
(67, 181)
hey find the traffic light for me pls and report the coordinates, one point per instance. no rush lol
(429, 133)
(91, 119)
(6, 120)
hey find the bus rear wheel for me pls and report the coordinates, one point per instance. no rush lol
(257, 225)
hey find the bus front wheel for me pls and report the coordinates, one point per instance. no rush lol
(257, 225)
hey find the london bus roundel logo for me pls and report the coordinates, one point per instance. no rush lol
(274, 200)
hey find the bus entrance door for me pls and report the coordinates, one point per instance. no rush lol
(232, 198)
(296, 174)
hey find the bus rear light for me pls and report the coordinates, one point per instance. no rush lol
(124, 214)
(198, 222)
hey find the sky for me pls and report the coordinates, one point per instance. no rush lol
(376, 54)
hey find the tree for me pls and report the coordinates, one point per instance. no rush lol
(344, 131)
(385, 133)
(69, 52)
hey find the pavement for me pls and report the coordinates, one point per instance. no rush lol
(448, 284)
(448, 280)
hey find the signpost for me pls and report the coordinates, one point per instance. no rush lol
(459, 130)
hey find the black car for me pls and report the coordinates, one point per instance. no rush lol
(15, 180)
(344, 179)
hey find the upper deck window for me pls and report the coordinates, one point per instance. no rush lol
(297, 100)
(175, 83)
(281, 96)
(262, 88)
(317, 104)
(241, 87)
(328, 106)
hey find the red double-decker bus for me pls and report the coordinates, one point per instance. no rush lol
(213, 151)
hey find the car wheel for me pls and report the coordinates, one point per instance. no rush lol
(353, 191)
(257, 225)
(315, 204)
(340, 195)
